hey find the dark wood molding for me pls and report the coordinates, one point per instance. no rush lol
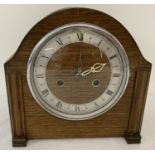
(16, 108)
(138, 106)
(138, 101)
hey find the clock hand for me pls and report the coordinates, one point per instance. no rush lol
(79, 64)
(97, 67)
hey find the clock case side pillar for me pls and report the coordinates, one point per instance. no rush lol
(132, 135)
(16, 107)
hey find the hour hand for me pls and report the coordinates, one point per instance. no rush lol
(97, 67)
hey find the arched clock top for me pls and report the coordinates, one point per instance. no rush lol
(75, 15)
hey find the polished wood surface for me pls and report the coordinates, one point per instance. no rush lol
(30, 121)
(15, 96)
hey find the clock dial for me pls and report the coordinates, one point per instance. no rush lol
(78, 71)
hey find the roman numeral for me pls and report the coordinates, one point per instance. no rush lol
(41, 65)
(48, 49)
(116, 75)
(95, 104)
(59, 105)
(115, 66)
(59, 41)
(99, 43)
(45, 92)
(44, 56)
(40, 75)
(109, 92)
(80, 36)
(114, 56)
(77, 109)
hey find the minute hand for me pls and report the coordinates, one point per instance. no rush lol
(97, 67)
(79, 65)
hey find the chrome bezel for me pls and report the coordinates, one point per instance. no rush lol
(57, 31)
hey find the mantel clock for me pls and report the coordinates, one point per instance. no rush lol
(77, 73)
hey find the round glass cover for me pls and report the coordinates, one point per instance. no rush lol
(78, 71)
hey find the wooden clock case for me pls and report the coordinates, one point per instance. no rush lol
(30, 121)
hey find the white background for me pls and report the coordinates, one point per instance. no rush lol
(17, 20)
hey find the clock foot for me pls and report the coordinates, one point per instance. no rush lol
(133, 138)
(19, 142)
